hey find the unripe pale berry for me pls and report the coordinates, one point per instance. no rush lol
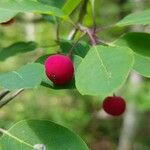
(114, 105)
(9, 22)
(59, 69)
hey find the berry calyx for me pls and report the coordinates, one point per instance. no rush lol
(114, 105)
(59, 69)
(9, 22)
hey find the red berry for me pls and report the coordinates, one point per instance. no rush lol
(114, 105)
(9, 22)
(59, 69)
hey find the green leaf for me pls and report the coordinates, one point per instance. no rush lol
(142, 18)
(42, 59)
(19, 47)
(140, 44)
(70, 5)
(80, 49)
(76, 61)
(26, 134)
(88, 21)
(55, 3)
(142, 65)
(28, 76)
(9, 8)
(103, 70)
(47, 83)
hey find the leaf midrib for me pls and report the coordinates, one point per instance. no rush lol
(17, 73)
(103, 65)
(15, 138)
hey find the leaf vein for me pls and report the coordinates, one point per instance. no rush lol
(14, 137)
(15, 72)
(108, 74)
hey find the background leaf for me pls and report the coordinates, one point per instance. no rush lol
(141, 65)
(55, 3)
(70, 5)
(76, 61)
(140, 44)
(42, 59)
(142, 18)
(32, 132)
(28, 76)
(9, 8)
(100, 71)
(19, 47)
(80, 49)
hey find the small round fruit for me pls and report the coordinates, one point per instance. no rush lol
(114, 105)
(9, 22)
(59, 69)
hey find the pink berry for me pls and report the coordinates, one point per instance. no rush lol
(114, 105)
(59, 69)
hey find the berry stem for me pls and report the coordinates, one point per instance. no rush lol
(92, 37)
(58, 31)
(90, 33)
(74, 45)
(77, 28)
(93, 15)
(114, 94)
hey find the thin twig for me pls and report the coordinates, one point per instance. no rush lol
(5, 101)
(93, 15)
(71, 34)
(104, 27)
(82, 13)
(58, 31)
(89, 33)
(3, 94)
(75, 44)
(92, 39)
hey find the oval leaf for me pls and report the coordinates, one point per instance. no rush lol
(80, 49)
(69, 6)
(9, 8)
(19, 47)
(103, 70)
(76, 61)
(55, 3)
(28, 76)
(140, 44)
(27, 134)
(142, 18)
(141, 65)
